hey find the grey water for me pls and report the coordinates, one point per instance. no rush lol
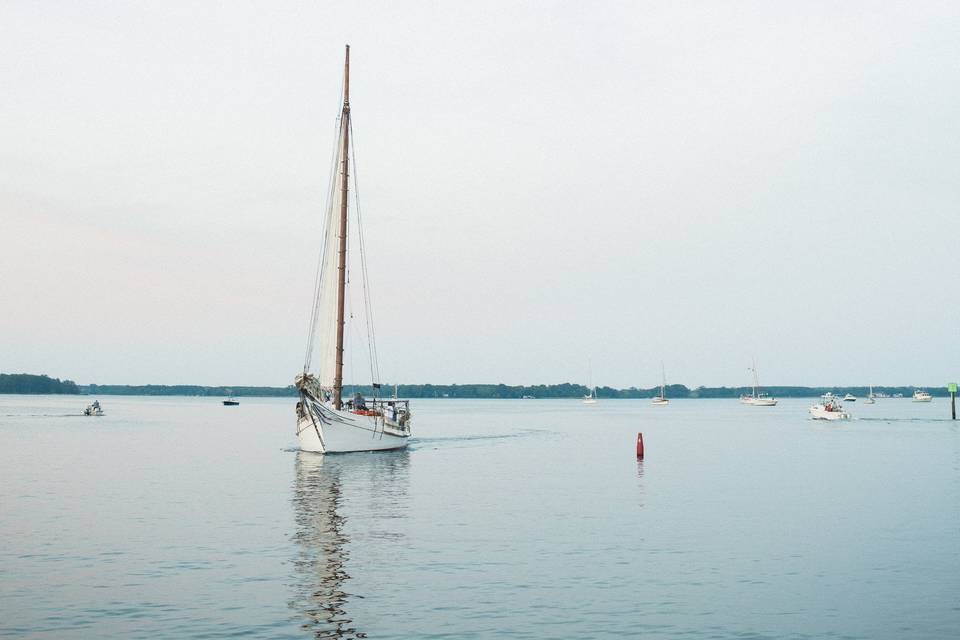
(182, 518)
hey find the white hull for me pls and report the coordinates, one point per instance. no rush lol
(869, 401)
(760, 402)
(589, 401)
(819, 412)
(659, 401)
(323, 429)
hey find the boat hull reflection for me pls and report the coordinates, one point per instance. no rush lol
(323, 486)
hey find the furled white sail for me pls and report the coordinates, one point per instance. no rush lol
(324, 321)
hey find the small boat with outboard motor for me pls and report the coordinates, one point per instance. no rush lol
(93, 409)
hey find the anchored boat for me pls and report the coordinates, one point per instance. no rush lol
(922, 396)
(661, 399)
(325, 422)
(757, 398)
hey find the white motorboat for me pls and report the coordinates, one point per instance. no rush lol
(829, 409)
(93, 409)
(661, 399)
(757, 398)
(325, 422)
(922, 396)
(849, 398)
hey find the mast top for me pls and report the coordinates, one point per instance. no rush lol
(346, 80)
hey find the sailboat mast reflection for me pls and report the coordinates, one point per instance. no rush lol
(375, 486)
(322, 548)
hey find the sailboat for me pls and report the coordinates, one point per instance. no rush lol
(590, 398)
(870, 399)
(757, 398)
(325, 422)
(662, 398)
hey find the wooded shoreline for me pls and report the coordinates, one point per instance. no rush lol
(42, 384)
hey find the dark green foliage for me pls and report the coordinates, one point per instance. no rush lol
(26, 383)
(188, 390)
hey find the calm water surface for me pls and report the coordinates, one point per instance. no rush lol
(181, 518)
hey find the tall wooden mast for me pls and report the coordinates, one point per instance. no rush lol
(342, 266)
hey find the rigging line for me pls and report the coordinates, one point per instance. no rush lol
(368, 304)
(318, 276)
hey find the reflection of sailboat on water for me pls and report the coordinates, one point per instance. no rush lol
(322, 549)
(323, 546)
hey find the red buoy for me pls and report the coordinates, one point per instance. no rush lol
(640, 446)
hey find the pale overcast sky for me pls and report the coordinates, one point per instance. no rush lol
(542, 183)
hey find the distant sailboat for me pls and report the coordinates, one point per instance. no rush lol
(757, 398)
(590, 398)
(661, 399)
(870, 399)
(325, 422)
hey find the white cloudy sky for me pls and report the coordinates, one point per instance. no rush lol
(543, 183)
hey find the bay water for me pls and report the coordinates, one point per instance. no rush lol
(181, 518)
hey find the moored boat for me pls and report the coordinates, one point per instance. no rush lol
(325, 422)
(591, 398)
(757, 398)
(661, 400)
(870, 399)
(231, 402)
(921, 396)
(849, 398)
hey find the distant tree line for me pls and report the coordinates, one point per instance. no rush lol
(186, 390)
(27, 383)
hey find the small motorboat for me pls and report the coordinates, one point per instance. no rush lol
(93, 409)
(922, 396)
(849, 398)
(231, 402)
(829, 409)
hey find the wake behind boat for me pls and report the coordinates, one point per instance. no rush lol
(325, 423)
